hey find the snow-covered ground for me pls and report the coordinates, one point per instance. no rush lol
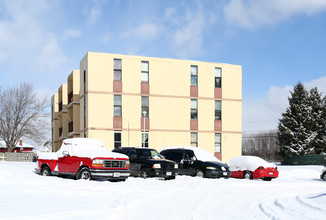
(298, 193)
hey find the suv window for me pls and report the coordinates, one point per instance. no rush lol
(175, 155)
(189, 155)
(148, 154)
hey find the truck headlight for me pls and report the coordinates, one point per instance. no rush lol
(157, 166)
(97, 163)
(210, 168)
(176, 166)
(127, 164)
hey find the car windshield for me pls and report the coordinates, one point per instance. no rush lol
(149, 154)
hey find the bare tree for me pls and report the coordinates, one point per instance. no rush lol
(21, 115)
(262, 145)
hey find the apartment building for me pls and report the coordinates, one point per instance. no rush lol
(152, 102)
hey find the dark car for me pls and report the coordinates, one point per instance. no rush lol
(195, 161)
(147, 162)
(323, 174)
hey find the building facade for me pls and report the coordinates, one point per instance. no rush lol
(153, 102)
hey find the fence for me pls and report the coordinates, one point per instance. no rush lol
(19, 157)
(305, 160)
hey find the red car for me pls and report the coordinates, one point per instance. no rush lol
(252, 167)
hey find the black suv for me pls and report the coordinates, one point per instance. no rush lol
(194, 161)
(147, 162)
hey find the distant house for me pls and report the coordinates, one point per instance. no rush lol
(21, 147)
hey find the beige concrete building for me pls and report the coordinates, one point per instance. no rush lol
(176, 102)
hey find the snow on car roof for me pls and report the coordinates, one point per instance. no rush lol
(89, 147)
(200, 153)
(248, 163)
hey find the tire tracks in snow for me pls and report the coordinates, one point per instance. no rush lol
(296, 207)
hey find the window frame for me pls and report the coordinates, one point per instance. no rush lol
(117, 105)
(145, 107)
(218, 77)
(117, 143)
(218, 145)
(192, 143)
(117, 69)
(194, 75)
(142, 139)
(144, 71)
(218, 112)
(194, 110)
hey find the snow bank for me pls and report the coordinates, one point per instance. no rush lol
(200, 154)
(247, 163)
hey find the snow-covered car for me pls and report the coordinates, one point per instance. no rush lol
(252, 167)
(323, 174)
(84, 158)
(195, 161)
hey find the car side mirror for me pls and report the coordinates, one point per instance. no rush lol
(65, 153)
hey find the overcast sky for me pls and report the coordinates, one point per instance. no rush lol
(278, 43)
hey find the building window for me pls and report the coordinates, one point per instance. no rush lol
(117, 106)
(117, 139)
(218, 77)
(144, 106)
(85, 111)
(193, 139)
(194, 75)
(217, 143)
(144, 71)
(194, 109)
(117, 68)
(144, 136)
(218, 110)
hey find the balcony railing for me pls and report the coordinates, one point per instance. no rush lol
(71, 126)
(60, 106)
(60, 131)
(70, 97)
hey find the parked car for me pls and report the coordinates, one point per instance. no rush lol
(195, 161)
(252, 167)
(323, 174)
(84, 158)
(147, 162)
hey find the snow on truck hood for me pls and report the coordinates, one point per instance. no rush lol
(248, 163)
(200, 153)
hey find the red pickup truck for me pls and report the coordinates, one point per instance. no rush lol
(84, 158)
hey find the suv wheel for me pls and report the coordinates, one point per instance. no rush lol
(324, 176)
(144, 173)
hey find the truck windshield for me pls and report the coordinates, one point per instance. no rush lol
(149, 154)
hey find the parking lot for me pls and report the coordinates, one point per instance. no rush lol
(297, 193)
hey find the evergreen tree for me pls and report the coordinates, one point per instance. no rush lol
(295, 134)
(317, 122)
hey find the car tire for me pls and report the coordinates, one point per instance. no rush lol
(247, 175)
(200, 173)
(84, 174)
(144, 173)
(323, 177)
(46, 171)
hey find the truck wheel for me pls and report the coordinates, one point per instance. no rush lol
(144, 173)
(84, 174)
(46, 171)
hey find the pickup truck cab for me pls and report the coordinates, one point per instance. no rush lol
(84, 158)
(147, 162)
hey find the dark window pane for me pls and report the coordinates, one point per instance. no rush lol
(194, 114)
(218, 82)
